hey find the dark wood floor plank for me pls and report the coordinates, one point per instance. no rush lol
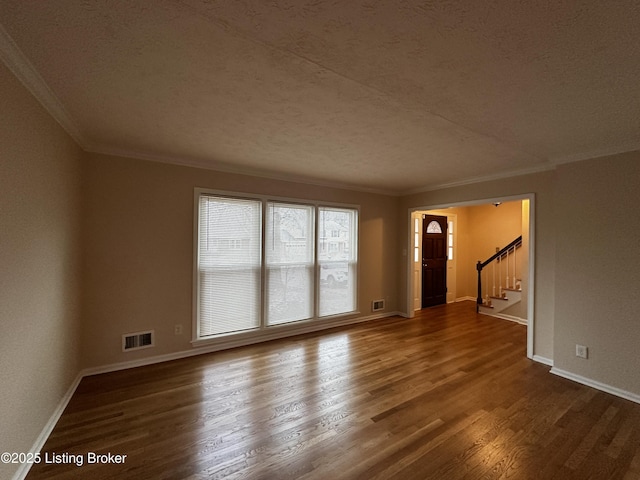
(446, 395)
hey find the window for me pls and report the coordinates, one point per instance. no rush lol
(229, 264)
(289, 260)
(450, 241)
(301, 266)
(338, 265)
(434, 227)
(416, 240)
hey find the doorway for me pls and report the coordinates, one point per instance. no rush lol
(434, 260)
(465, 280)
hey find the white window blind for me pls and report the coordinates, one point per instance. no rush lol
(229, 264)
(337, 260)
(265, 262)
(289, 253)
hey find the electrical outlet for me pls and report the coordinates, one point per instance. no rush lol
(582, 351)
(177, 330)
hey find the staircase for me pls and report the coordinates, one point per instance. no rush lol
(495, 305)
(501, 288)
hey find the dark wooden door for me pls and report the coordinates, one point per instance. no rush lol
(434, 260)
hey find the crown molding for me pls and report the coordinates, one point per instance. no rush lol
(237, 170)
(233, 169)
(15, 60)
(550, 164)
(26, 73)
(485, 178)
(601, 152)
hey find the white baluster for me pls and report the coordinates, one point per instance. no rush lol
(494, 278)
(499, 278)
(507, 271)
(486, 284)
(514, 266)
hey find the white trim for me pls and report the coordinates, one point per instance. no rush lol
(531, 265)
(543, 167)
(38, 445)
(17, 62)
(276, 332)
(233, 341)
(267, 198)
(26, 73)
(24, 468)
(618, 392)
(550, 165)
(532, 234)
(195, 327)
(115, 367)
(245, 170)
(543, 360)
(511, 318)
(597, 153)
(465, 299)
(452, 218)
(264, 331)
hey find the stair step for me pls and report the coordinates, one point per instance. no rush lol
(500, 298)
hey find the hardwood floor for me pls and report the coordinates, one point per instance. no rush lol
(449, 394)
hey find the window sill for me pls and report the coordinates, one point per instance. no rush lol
(249, 337)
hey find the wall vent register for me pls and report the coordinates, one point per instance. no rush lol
(377, 305)
(137, 341)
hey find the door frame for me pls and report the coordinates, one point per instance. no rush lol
(410, 313)
(452, 265)
(426, 265)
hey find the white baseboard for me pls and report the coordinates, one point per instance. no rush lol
(543, 360)
(22, 472)
(511, 318)
(597, 385)
(504, 316)
(234, 341)
(466, 299)
(114, 367)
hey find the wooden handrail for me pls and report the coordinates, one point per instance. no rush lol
(480, 265)
(501, 253)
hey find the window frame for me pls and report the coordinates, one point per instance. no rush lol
(264, 331)
(196, 265)
(267, 265)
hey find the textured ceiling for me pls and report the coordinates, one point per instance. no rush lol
(393, 96)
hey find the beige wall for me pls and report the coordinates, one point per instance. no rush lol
(587, 226)
(480, 229)
(39, 267)
(135, 227)
(542, 186)
(492, 227)
(139, 249)
(598, 269)
(484, 228)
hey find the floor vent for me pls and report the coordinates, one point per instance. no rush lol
(377, 305)
(136, 341)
